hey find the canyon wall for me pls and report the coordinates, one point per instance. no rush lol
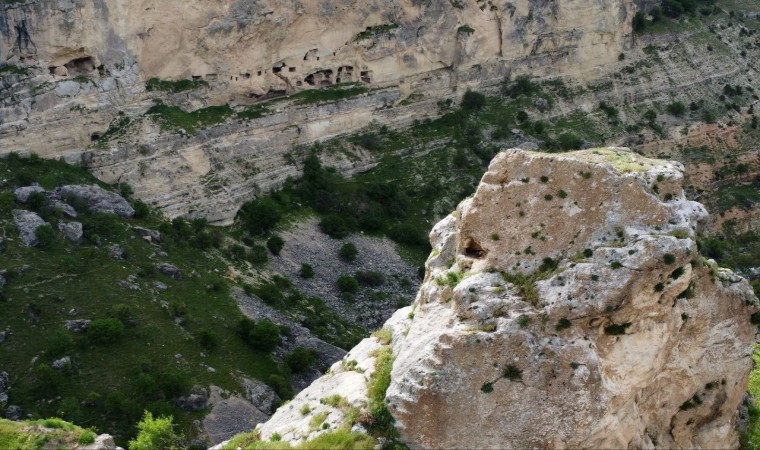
(86, 65)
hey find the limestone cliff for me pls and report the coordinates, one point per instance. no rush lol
(88, 63)
(565, 305)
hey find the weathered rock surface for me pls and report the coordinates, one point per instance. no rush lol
(22, 194)
(94, 62)
(14, 412)
(78, 325)
(564, 305)
(98, 199)
(71, 230)
(169, 270)
(27, 223)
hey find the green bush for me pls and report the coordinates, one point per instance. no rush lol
(208, 338)
(36, 200)
(348, 252)
(307, 271)
(473, 100)
(155, 434)
(615, 329)
(105, 331)
(300, 359)
(264, 336)
(348, 284)
(87, 438)
(46, 236)
(275, 244)
(676, 108)
(563, 324)
(334, 226)
(258, 254)
(260, 216)
(370, 278)
(569, 141)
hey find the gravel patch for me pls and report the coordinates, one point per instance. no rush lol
(372, 306)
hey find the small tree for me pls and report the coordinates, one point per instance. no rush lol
(348, 284)
(105, 331)
(348, 252)
(676, 108)
(275, 244)
(473, 100)
(155, 434)
(300, 359)
(46, 236)
(307, 271)
(264, 336)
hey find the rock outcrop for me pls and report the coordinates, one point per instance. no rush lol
(565, 305)
(27, 223)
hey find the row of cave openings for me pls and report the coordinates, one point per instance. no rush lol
(323, 77)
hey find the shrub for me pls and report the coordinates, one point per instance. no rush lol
(142, 210)
(370, 278)
(173, 383)
(615, 329)
(569, 141)
(306, 271)
(155, 434)
(563, 324)
(512, 372)
(208, 338)
(300, 359)
(269, 293)
(473, 100)
(105, 331)
(46, 236)
(36, 200)
(639, 21)
(348, 284)
(616, 265)
(676, 108)
(669, 258)
(264, 336)
(88, 437)
(260, 216)
(487, 388)
(275, 244)
(348, 252)
(258, 254)
(334, 226)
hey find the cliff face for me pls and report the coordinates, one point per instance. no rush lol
(564, 305)
(89, 61)
(262, 45)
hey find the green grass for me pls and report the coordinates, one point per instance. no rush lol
(36, 434)
(173, 87)
(175, 118)
(11, 69)
(84, 277)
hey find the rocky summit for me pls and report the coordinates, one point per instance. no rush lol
(564, 305)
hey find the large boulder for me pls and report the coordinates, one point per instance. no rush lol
(169, 270)
(71, 230)
(27, 223)
(98, 199)
(14, 412)
(577, 313)
(565, 305)
(22, 194)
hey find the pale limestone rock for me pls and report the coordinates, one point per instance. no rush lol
(247, 49)
(607, 356)
(641, 343)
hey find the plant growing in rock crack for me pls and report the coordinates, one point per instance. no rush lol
(512, 372)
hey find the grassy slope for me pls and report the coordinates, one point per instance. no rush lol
(85, 277)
